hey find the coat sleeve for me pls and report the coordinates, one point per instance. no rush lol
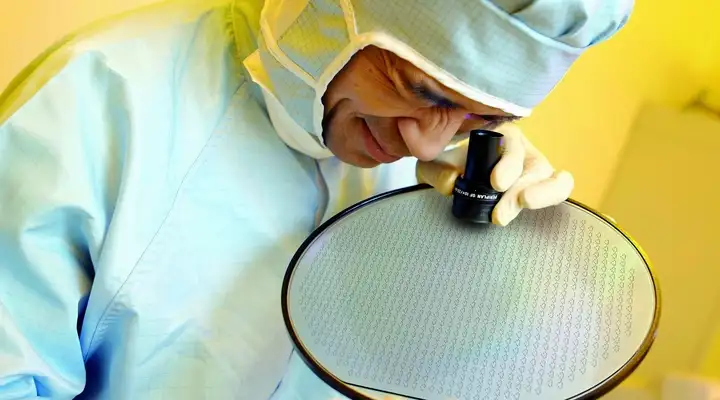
(60, 158)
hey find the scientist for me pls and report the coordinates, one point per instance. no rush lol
(159, 169)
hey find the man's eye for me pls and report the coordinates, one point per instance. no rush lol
(423, 93)
(490, 125)
(490, 122)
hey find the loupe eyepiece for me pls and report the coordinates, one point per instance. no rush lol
(473, 196)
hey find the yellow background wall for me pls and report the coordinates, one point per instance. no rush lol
(27, 27)
(665, 54)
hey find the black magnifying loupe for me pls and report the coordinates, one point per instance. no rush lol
(473, 196)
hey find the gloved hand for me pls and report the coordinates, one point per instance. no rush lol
(526, 177)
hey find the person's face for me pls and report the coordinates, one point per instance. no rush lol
(381, 108)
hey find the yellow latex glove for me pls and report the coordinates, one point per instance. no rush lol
(526, 177)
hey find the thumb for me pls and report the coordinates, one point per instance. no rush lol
(437, 174)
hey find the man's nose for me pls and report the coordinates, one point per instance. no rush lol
(428, 132)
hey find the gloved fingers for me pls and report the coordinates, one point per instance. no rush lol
(523, 173)
(549, 192)
(509, 205)
(511, 202)
(439, 175)
(510, 167)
